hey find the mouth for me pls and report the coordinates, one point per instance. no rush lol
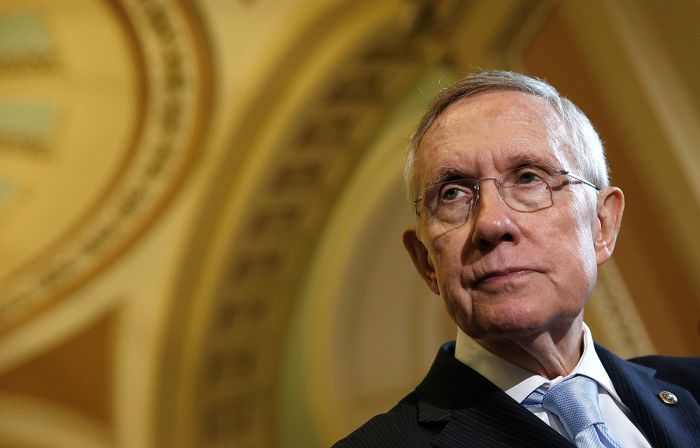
(504, 275)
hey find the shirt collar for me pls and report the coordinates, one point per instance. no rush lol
(517, 382)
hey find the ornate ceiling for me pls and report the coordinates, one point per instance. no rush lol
(100, 122)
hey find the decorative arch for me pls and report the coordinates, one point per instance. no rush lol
(326, 100)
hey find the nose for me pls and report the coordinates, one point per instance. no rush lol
(492, 217)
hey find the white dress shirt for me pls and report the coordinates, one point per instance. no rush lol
(518, 383)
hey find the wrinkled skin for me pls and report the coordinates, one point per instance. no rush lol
(515, 282)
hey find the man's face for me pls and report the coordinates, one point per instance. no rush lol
(504, 273)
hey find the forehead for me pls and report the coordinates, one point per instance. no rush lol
(490, 132)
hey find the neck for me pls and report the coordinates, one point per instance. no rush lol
(549, 353)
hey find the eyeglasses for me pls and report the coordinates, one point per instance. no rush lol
(524, 189)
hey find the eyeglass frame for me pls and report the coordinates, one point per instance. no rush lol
(500, 187)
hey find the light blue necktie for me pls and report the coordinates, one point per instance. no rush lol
(575, 402)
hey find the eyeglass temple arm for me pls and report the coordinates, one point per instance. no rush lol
(415, 204)
(578, 179)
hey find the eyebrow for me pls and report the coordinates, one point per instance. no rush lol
(446, 172)
(527, 159)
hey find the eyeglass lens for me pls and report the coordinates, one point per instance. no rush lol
(524, 189)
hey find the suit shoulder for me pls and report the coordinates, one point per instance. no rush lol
(397, 428)
(682, 371)
(663, 363)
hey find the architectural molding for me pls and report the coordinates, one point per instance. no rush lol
(174, 87)
(60, 427)
(364, 57)
(651, 105)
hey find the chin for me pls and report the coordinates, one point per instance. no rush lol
(502, 330)
(513, 321)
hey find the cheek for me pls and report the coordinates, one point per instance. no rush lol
(445, 251)
(579, 256)
(585, 234)
(447, 268)
(583, 269)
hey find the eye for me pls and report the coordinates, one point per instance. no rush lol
(450, 194)
(454, 192)
(528, 177)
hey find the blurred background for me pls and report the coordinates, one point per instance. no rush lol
(201, 203)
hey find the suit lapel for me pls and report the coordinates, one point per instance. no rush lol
(477, 413)
(498, 421)
(665, 426)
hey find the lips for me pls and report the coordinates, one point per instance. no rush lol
(502, 275)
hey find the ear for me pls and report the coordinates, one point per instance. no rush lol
(421, 258)
(611, 204)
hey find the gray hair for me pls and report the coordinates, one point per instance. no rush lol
(584, 143)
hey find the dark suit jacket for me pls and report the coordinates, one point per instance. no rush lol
(455, 406)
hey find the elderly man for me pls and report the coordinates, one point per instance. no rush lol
(514, 213)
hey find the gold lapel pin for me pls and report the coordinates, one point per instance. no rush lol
(667, 397)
